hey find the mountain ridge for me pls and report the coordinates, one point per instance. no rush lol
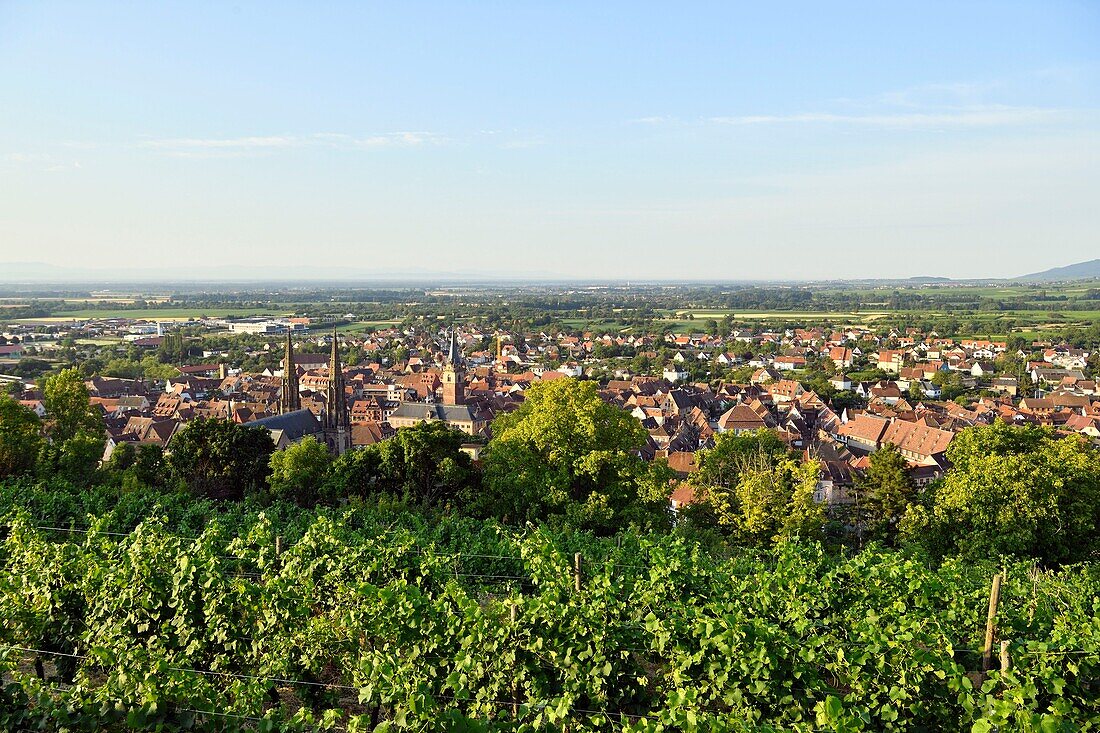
(1077, 271)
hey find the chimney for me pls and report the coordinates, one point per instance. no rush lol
(221, 371)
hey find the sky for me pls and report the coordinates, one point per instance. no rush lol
(632, 140)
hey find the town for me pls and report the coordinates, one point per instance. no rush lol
(834, 395)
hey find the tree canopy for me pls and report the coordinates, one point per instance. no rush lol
(886, 492)
(754, 489)
(20, 438)
(566, 453)
(298, 472)
(219, 459)
(1014, 490)
(68, 410)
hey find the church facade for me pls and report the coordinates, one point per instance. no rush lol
(334, 427)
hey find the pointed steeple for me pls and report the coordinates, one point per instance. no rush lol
(337, 421)
(289, 400)
(454, 352)
(454, 374)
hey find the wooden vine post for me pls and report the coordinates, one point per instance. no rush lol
(991, 623)
(512, 612)
(577, 572)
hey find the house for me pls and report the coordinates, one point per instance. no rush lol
(890, 360)
(369, 433)
(764, 375)
(785, 390)
(789, 363)
(981, 369)
(1039, 407)
(841, 357)
(1085, 424)
(152, 430)
(682, 463)
(682, 496)
(888, 392)
(863, 431)
(841, 383)
(918, 442)
(11, 351)
(34, 406)
(930, 390)
(138, 403)
(1005, 385)
(1054, 376)
(741, 419)
(836, 478)
(675, 374)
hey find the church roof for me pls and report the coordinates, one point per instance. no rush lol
(295, 425)
(434, 411)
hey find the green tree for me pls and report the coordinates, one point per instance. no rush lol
(68, 410)
(153, 368)
(30, 367)
(354, 473)
(122, 457)
(565, 453)
(219, 459)
(886, 492)
(721, 465)
(74, 428)
(1014, 490)
(916, 394)
(149, 466)
(771, 500)
(950, 384)
(123, 368)
(424, 463)
(298, 473)
(20, 438)
(78, 457)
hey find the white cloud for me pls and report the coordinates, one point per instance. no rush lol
(398, 140)
(243, 143)
(238, 146)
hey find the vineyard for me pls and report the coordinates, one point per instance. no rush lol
(349, 620)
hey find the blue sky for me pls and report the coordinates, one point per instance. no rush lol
(618, 140)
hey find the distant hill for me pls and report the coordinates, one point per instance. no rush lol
(1079, 271)
(928, 279)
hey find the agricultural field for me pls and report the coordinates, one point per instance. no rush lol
(361, 326)
(158, 314)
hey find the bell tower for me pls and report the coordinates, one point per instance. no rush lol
(454, 374)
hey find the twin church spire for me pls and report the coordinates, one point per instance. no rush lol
(335, 420)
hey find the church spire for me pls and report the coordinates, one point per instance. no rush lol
(454, 374)
(337, 422)
(289, 400)
(454, 351)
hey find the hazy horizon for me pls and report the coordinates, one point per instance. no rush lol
(609, 143)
